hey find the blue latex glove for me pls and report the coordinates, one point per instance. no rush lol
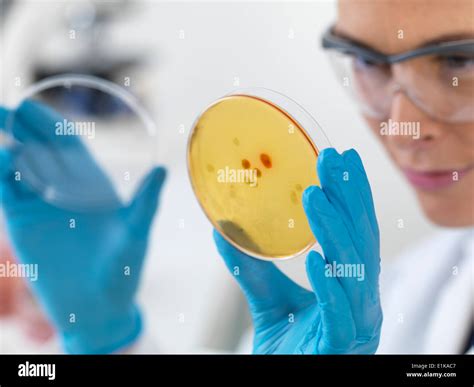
(342, 314)
(87, 275)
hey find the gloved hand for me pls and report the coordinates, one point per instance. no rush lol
(343, 315)
(87, 275)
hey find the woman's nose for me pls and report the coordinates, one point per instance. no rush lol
(416, 128)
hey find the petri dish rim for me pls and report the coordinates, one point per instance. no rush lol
(254, 93)
(317, 138)
(92, 82)
(83, 80)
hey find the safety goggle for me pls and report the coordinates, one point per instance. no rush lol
(438, 78)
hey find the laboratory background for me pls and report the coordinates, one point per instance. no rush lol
(178, 57)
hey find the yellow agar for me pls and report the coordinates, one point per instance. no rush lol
(249, 163)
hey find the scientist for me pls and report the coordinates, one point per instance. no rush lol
(408, 62)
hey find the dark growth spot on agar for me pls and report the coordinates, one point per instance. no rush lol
(294, 197)
(266, 160)
(245, 163)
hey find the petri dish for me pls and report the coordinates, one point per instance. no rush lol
(251, 154)
(81, 142)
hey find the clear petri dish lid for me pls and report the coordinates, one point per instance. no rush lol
(251, 154)
(81, 142)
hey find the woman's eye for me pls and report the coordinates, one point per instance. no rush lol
(458, 62)
(362, 63)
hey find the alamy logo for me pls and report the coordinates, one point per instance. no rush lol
(402, 128)
(19, 270)
(37, 370)
(230, 175)
(75, 128)
(345, 270)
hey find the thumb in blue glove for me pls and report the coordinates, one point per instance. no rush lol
(341, 314)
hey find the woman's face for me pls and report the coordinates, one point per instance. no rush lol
(440, 163)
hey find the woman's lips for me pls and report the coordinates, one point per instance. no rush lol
(432, 180)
